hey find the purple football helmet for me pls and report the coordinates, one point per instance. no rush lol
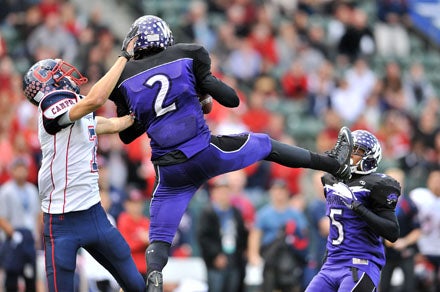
(48, 75)
(372, 152)
(153, 34)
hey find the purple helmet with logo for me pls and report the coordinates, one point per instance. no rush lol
(48, 75)
(367, 142)
(153, 34)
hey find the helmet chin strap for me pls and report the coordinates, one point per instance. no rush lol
(355, 167)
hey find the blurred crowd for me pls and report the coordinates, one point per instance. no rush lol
(302, 70)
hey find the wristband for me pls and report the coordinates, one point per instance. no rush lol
(126, 55)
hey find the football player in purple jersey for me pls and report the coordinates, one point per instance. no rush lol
(362, 213)
(161, 86)
(68, 176)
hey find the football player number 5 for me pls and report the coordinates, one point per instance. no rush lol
(338, 225)
(160, 98)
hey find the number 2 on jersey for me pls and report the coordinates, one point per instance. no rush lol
(160, 98)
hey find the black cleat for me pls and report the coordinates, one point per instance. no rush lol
(342, 153)
(155, 282)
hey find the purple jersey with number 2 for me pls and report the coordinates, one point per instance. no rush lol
(161, 91)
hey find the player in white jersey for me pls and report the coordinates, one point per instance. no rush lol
(68, 177)
(427, 200)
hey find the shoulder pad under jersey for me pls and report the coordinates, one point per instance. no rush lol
(53, 106)
(57, 103)
(194, 51)
(377, 179)
(385, 190)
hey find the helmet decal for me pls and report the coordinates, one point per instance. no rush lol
(42, 74)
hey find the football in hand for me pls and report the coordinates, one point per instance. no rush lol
(206, 102)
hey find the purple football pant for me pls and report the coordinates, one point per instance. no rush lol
(176, 184)
(345, 278)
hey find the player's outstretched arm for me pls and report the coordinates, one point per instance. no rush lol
(113, 125)
(99, 93)
(102, 89)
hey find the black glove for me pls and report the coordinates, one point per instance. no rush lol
(328, 179)
(130, 35)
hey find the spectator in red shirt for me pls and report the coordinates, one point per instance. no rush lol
(263, 41)
(295, 82)
(257, 117)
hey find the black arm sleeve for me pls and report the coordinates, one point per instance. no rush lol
(384, 223)
(134, 131)
(208, 83)
(380, 212)
(221, 92)
(131, 133)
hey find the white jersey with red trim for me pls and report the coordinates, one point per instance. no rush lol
(68, 177)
